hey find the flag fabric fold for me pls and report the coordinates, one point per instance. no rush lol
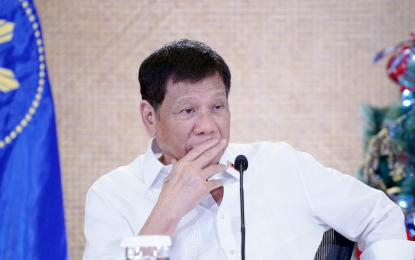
(31, 203)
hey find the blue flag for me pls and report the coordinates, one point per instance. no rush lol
(31, 209)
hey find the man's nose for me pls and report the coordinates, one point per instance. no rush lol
(205, 123)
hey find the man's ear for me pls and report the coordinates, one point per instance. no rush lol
(148, 116)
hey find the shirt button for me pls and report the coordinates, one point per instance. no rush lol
(232, 252)
(222, 216)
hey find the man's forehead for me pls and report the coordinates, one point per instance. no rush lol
(181, 88)
(189, 98)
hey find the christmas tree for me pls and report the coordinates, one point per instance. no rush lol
(389, 136)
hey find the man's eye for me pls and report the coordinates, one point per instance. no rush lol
(187, 111)
(218, 107)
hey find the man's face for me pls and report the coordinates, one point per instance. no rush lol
(190, 114)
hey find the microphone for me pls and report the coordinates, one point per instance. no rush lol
(241, 164)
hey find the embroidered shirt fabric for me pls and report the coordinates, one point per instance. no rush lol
(290, 201)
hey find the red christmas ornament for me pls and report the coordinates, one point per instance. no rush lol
(398, 63)
(401, 65)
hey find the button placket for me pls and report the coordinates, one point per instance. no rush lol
(224, 218)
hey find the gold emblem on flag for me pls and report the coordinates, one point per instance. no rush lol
(6, 31)
(7, 77)
(7, 80)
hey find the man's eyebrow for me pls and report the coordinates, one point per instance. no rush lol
(187, 99)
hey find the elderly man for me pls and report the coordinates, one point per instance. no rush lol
(182, 186)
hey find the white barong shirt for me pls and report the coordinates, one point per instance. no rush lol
(290, 201)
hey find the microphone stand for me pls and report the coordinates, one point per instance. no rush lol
(241, 164)
(241, 190)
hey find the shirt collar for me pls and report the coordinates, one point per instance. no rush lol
(152, 166)
(227, 158)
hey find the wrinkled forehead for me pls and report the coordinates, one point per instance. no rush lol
(208, 87)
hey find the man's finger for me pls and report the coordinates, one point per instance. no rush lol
(208, 155)
(200, 149)
(213, 184)
(212, 170)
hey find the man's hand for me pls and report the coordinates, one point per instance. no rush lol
(185, 186)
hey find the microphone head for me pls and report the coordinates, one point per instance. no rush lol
(241, 160)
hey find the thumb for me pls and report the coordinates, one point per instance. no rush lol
(213, 184)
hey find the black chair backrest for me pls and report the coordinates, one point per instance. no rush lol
(334, 247)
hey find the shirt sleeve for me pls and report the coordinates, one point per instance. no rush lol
(104, 227)
(355, 210)
(390, 249)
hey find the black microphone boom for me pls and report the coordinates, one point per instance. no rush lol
(241, 164)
